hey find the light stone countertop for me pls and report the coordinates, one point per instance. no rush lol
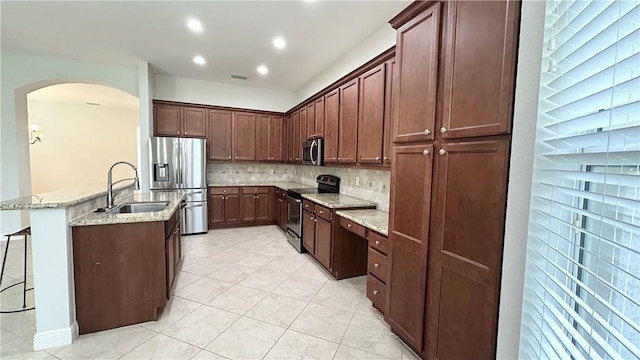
(60, 198)
(102, 218)
(373, 219)
(284, 185)
(338, 201)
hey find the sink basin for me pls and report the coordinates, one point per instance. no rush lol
(138, 207)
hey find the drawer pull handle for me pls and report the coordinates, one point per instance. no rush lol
(348, 225)
(442, 152)
(376, 265)
(321, 212)
(427, 131)
(375, 292)
(425, 152)
(377, 242)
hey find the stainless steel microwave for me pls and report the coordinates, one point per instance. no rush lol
(313, 152)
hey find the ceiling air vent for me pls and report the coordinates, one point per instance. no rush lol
(238, 76)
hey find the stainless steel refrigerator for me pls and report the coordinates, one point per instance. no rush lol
(181, 164)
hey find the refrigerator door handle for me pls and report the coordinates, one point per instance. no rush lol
(192, 206)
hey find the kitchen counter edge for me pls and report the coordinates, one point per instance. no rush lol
(372, 219)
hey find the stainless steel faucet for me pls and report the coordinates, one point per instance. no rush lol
(136, 182)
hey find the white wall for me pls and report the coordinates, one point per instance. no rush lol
(24, 73)
(80, 143)
(520, 172)
(378, 42)
(146, 84)
(220, 94)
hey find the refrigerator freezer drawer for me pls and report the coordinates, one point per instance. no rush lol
(195, 218)
(195, 195)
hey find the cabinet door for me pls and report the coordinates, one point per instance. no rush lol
(371, 126)
(216, 209)
(220, 134)
(232, 209)
(389, 111)
(263, 138)
(244, 137)
(248, 208)
(167, 120)
(479, 35)
(295, 137)
(331, 116)
(323, 242)
(348, 124)
(169, 262)
(417, 56)
(309, 232)
(277, 140)
(319, 129)
(303, 125)
(465, 249)
(176, 251)
(411, 172)
(263, 206)
(311, 120)
(194, 122)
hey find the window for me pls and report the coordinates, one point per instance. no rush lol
(582, 277)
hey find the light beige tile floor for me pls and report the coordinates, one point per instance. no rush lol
(241, 294)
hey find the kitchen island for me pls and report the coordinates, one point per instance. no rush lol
(51, 215)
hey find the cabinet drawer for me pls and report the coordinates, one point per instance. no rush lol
(377, 293)
(308, 205)
(225, 190)
(324, 212)
(377, 265)
(279, 192)
(377, 241)
(353, 227)
(255, 190)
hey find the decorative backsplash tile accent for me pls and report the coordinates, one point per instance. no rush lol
(365, 184)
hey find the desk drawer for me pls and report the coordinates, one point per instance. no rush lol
(353, 227)
(324, 212)
(377, 242)
(255, 190)
(377, 265)
(377, 293)
(225, 190)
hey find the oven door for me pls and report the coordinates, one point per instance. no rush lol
(294, 219)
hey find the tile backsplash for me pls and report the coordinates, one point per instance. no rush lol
(365, 184)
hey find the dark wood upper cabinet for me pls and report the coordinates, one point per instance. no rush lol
(348, 124)
(194, 122)
(277, 139)
(220, 134)
(244, 136)
(388, 110)
(295, 137)
(319, 129)
(479, 67)
(411, 172)
(371, 123)
(331, 117)
(465, 249)
(311, 120)
(263, 138)
(417, 54)
(167, 120)
(303, 125)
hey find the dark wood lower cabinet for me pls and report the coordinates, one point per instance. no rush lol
(323, 235)
(309, 232)
(245, 206)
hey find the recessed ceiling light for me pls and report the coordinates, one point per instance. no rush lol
(279, 43)
(263, 70)
(194, 25)
(199, 60)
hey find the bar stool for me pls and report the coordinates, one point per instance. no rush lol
(24, 233)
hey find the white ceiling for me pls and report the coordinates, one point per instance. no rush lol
(236, 38)
(85, 93)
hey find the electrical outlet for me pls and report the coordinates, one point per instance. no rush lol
(357, 180)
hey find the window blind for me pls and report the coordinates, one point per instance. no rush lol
(582, 275)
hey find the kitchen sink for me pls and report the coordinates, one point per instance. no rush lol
(141, 207)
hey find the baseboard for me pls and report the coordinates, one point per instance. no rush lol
(53, 338)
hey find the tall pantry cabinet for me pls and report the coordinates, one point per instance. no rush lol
(455, 64)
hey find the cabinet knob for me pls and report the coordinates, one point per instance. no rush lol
(224, 191)
(377, 242)
(321, 212)
(315, 220)
(442, 151)
(427, 131)
(443, 130)
(376, 265)
(177, 132)
(229, 157)
(386, 158)
(186, 132)
(338, 157)
(425, 152)
(334, 158)
(348, 225)
(377, 158)
(375, 292)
